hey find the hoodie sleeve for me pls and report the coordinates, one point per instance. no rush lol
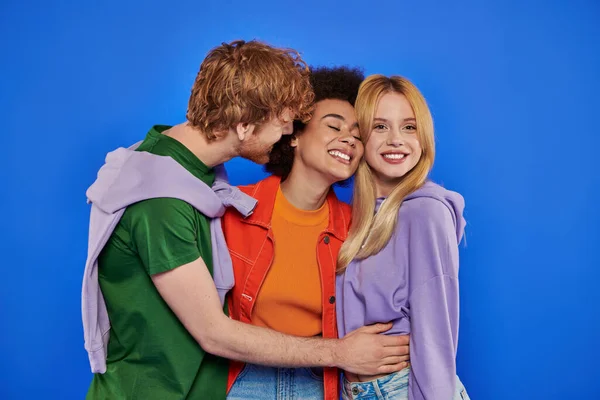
(433, 302)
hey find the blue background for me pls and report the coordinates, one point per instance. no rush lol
(513, 86)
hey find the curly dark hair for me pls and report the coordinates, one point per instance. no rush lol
(338, 83)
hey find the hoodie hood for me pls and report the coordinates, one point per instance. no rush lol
(453, 200)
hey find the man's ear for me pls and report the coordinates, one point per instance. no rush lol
(244, 130)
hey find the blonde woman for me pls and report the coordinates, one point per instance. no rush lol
(400, 261)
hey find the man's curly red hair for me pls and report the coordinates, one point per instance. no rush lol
(248, 82)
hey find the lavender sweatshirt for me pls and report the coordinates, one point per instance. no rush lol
(413, 282)
(130, 176)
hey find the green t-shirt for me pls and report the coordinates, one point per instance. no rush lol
(150, 353)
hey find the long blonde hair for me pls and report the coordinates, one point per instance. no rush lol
(370, 232)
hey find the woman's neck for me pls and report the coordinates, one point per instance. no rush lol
(303, 192)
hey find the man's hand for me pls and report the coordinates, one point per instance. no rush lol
(190, 292)
(366, 352)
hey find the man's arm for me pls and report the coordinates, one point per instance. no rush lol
(190, 292)
(165, 237)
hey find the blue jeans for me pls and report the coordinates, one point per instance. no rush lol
(390, 387)
(266, 383)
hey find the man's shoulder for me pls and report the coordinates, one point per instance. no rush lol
(162, 208)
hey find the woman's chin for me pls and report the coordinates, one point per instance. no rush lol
(337, 178)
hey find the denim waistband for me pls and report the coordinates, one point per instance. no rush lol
(377, 387)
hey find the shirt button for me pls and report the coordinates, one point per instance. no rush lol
(355, 390)
(332, 300)
(326, 240)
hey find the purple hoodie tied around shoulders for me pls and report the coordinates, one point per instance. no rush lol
(130, 176)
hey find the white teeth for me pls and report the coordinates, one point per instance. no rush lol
(395, 156)
(339, 154)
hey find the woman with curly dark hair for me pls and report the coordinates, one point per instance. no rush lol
(284, 254)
